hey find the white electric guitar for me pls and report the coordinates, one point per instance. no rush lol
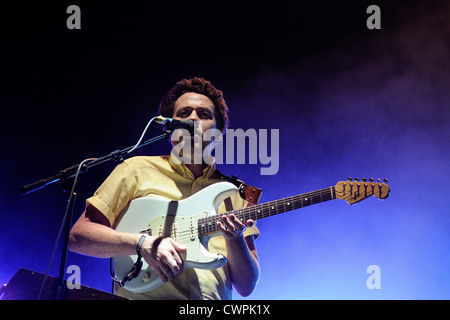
(193, 221)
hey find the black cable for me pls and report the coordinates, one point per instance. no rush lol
(62, 226)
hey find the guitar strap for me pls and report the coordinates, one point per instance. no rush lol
(247, 192)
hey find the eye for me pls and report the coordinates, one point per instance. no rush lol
(183, 113)
(205, 115)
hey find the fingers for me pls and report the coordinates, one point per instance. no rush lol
(163, 257)
(232, 227)
(179, 247)
(169, 268)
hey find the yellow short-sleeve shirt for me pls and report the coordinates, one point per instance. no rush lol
(159, 176)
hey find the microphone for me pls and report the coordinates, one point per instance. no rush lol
(176, 124)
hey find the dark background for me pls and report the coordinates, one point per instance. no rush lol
(348, 101)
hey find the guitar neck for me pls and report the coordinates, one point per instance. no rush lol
(209, 224)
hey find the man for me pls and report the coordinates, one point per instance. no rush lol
(93, 234)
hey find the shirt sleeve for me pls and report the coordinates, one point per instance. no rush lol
(114, 193)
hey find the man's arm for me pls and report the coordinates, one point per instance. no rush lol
(92, 235)
(242, 255)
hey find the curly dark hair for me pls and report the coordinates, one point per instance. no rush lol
(201, 86)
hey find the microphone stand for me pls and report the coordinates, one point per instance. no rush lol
(70, 172)
(67, 177)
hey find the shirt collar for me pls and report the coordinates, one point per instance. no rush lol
(184, 171)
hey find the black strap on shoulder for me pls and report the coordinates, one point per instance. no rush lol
(231, 179)
(247, 192)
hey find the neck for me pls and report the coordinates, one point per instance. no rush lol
(196, 169)
(208, 224)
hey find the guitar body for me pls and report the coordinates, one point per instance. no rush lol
(193, 221)
(177, 220)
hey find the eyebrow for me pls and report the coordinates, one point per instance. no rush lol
(197, 108)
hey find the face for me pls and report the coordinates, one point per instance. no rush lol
(199, 108)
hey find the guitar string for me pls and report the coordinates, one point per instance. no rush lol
(209, 224)
(273, 207)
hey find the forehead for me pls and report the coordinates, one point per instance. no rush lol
(193, 100)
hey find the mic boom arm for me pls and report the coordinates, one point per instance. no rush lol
(70, 172)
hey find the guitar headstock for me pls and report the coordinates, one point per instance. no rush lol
(357, 190)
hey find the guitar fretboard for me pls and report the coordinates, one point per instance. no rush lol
(209, 224)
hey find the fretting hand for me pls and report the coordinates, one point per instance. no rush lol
(231, 227)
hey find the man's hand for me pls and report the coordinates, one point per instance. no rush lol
(162, 254)
(241, 253)
(231, 227)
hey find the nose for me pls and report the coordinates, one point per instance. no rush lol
(194, 116)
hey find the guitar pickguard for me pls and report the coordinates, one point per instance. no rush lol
(174, 219)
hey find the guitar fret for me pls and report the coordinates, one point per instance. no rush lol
(271, 208)
(178, 221)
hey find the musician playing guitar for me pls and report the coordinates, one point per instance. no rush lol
(94, 233)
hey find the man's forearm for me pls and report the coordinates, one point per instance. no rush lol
(243, 264)
(97, 240)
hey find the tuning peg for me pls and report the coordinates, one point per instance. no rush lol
(385, 180)
(363, 179)
(349, 179)
(378, 180)
(371, 180)
(357, 179)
